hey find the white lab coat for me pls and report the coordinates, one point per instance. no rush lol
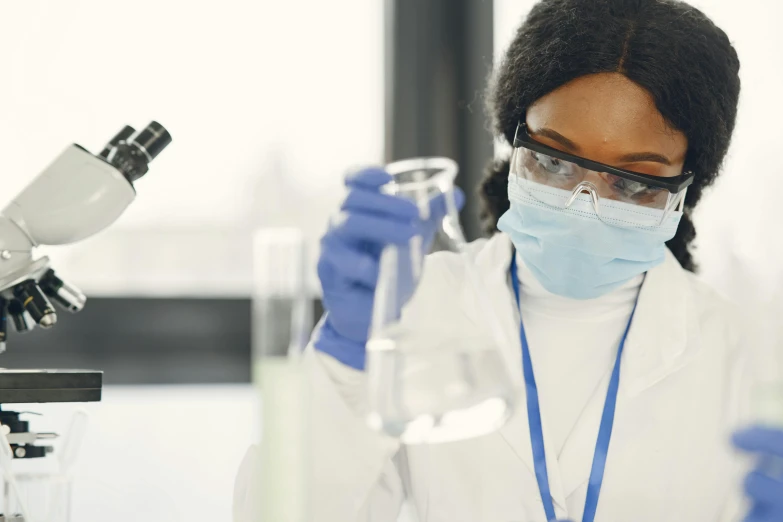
(683, 390)
(684, 387)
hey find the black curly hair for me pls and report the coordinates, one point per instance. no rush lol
(667, 47)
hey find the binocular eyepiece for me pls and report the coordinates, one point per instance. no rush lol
(130, 151)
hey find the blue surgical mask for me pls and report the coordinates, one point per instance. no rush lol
(573, 253)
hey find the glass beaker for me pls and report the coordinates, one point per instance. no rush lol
(430, 383)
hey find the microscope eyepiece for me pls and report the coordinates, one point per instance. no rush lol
(130, 152)
(121, 137)
(153, 139)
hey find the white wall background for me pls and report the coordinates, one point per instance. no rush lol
(267, 101)
(739, 222)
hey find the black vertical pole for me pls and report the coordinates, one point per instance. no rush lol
(438, 58)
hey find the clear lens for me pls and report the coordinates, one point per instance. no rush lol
(616, 200)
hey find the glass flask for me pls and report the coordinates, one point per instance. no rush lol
(443, 385)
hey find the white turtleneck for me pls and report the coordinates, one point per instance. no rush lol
(573, 345)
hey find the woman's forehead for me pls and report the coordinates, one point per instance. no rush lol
(606, 115)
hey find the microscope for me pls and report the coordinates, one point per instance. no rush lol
(77, 196)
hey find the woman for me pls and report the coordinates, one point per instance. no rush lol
(591, 94)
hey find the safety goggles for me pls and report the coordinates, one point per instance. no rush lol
(618, 197)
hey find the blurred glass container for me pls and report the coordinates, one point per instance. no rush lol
(44, 488)
(282, 322)
(281, 301)
(47, 496)
(766, 371)
(443, 386)
(766, 391)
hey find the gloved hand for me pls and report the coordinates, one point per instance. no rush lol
(764, 485)
(350, 255)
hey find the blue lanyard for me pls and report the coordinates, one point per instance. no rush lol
(536, 430)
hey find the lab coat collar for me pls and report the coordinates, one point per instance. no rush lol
(662, 339)
(664, 335)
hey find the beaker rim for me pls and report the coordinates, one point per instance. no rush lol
(443, 179)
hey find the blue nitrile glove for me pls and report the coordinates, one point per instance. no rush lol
(764, 485)
(350, 256)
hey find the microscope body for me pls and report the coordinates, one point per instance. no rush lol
(77, 196)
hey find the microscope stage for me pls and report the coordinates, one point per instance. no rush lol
(36, 386)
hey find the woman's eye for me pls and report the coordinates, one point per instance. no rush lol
(630, 188)
(549, 164)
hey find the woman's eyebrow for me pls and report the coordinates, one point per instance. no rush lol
(638, 157)
(634, 157)
(556, 136)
